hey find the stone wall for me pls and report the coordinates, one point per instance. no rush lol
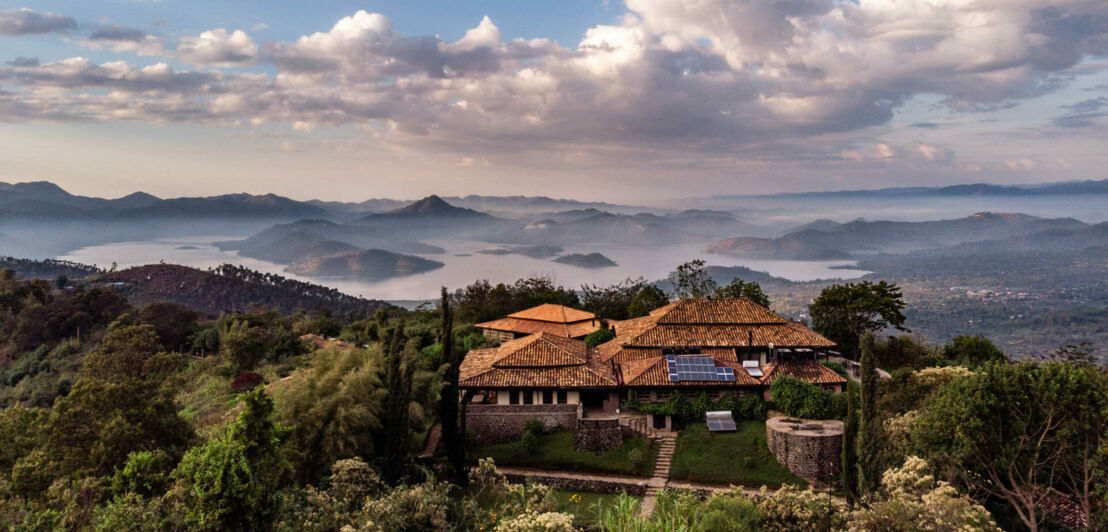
(503, 423)
(598, 435)
(810, 449)
(582, 483)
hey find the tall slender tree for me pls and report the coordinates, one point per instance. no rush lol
(453, 437)
(850, 445)
(398, 379)
(869, 440)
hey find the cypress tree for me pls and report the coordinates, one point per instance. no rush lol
(453, 437)
(850, 444)
(398, 378)
(869, 438)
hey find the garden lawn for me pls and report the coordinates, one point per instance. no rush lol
(741, 458)
(584, 504)
(556, 452)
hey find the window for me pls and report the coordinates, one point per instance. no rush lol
(547, 397)
(513, 397)
(528, 397)
(563, 397)
(642, 396)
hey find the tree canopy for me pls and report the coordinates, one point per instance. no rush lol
(844, 312)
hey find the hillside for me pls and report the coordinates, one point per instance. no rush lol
(302, 240)
(864, 237)
(429, 208)
(47, 269)
(227, 288)
(372, 264)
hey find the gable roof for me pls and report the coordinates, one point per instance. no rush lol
(540, 360)
(802, 370)
(722, 311)
(541, 350)
(552, 313)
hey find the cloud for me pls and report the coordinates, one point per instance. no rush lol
(23, 62)
(218, 48)
(16, 22)
(722, 80)
(124, 39)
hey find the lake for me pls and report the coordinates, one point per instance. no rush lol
(463, 265)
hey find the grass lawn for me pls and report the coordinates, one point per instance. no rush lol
(741, 458)
(556, 452)
(584, 505)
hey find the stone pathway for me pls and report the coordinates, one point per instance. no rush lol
(666, 447)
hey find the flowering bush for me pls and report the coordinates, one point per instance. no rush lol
(794, 510)
(913, 500)
(537, 522)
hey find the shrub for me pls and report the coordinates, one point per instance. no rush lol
(598, 337)
(637, 458)
(806, 400)
(537, 522)
(837, 367)
(534, 426)
(245, 382)
(731, 512)
(530, 442)
(794, 510)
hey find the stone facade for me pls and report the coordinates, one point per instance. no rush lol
(499, 423)
(812, 450)
(598, 435)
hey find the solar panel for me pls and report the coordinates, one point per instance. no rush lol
(697, 369)
(720, 421)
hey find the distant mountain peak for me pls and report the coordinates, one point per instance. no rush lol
(432, 206)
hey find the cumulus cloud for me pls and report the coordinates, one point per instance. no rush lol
(218, 48)
(711, 77)
(124, 39)
(16, 22)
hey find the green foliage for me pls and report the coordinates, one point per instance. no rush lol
(173, 323)
(794, 510)
(750, 407)
(648, 299)
(850, 445)
(905, 351)
(692, 279)
(713, 457)
(731, 512)
(837, 367)
(397, 405)
(146, 473)
(739, 288)
(1008, 428)
(334, 407)
(598, 337)
(611, 302)
(231, 481)
(481, 301)
(844, 312)
(869, 434)
(556, 451)
(972, 351)
(805, 400)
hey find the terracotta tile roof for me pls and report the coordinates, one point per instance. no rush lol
(541, 360)
(803, 370)
(781, 335)
(611, 351)
(553, 313)
(738, 310)
(516, 325)
(653, 372)
(541, 350)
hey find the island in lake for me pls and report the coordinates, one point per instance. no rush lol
(372, 264)
(592, 260)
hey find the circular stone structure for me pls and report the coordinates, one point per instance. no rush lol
(811, 449)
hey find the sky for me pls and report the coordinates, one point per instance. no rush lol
(599, 100)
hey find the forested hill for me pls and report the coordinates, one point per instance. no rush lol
(47, 269)
(229, 288)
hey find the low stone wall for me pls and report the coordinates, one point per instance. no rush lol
(503, 423)
(812, 450)
(598, 435)
(591, 485)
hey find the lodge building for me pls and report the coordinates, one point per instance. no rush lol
(718, 346)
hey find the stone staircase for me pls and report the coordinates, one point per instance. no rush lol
(667, 444)
(666, 447)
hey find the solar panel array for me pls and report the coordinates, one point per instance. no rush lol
(721, 422)
(697, 369)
